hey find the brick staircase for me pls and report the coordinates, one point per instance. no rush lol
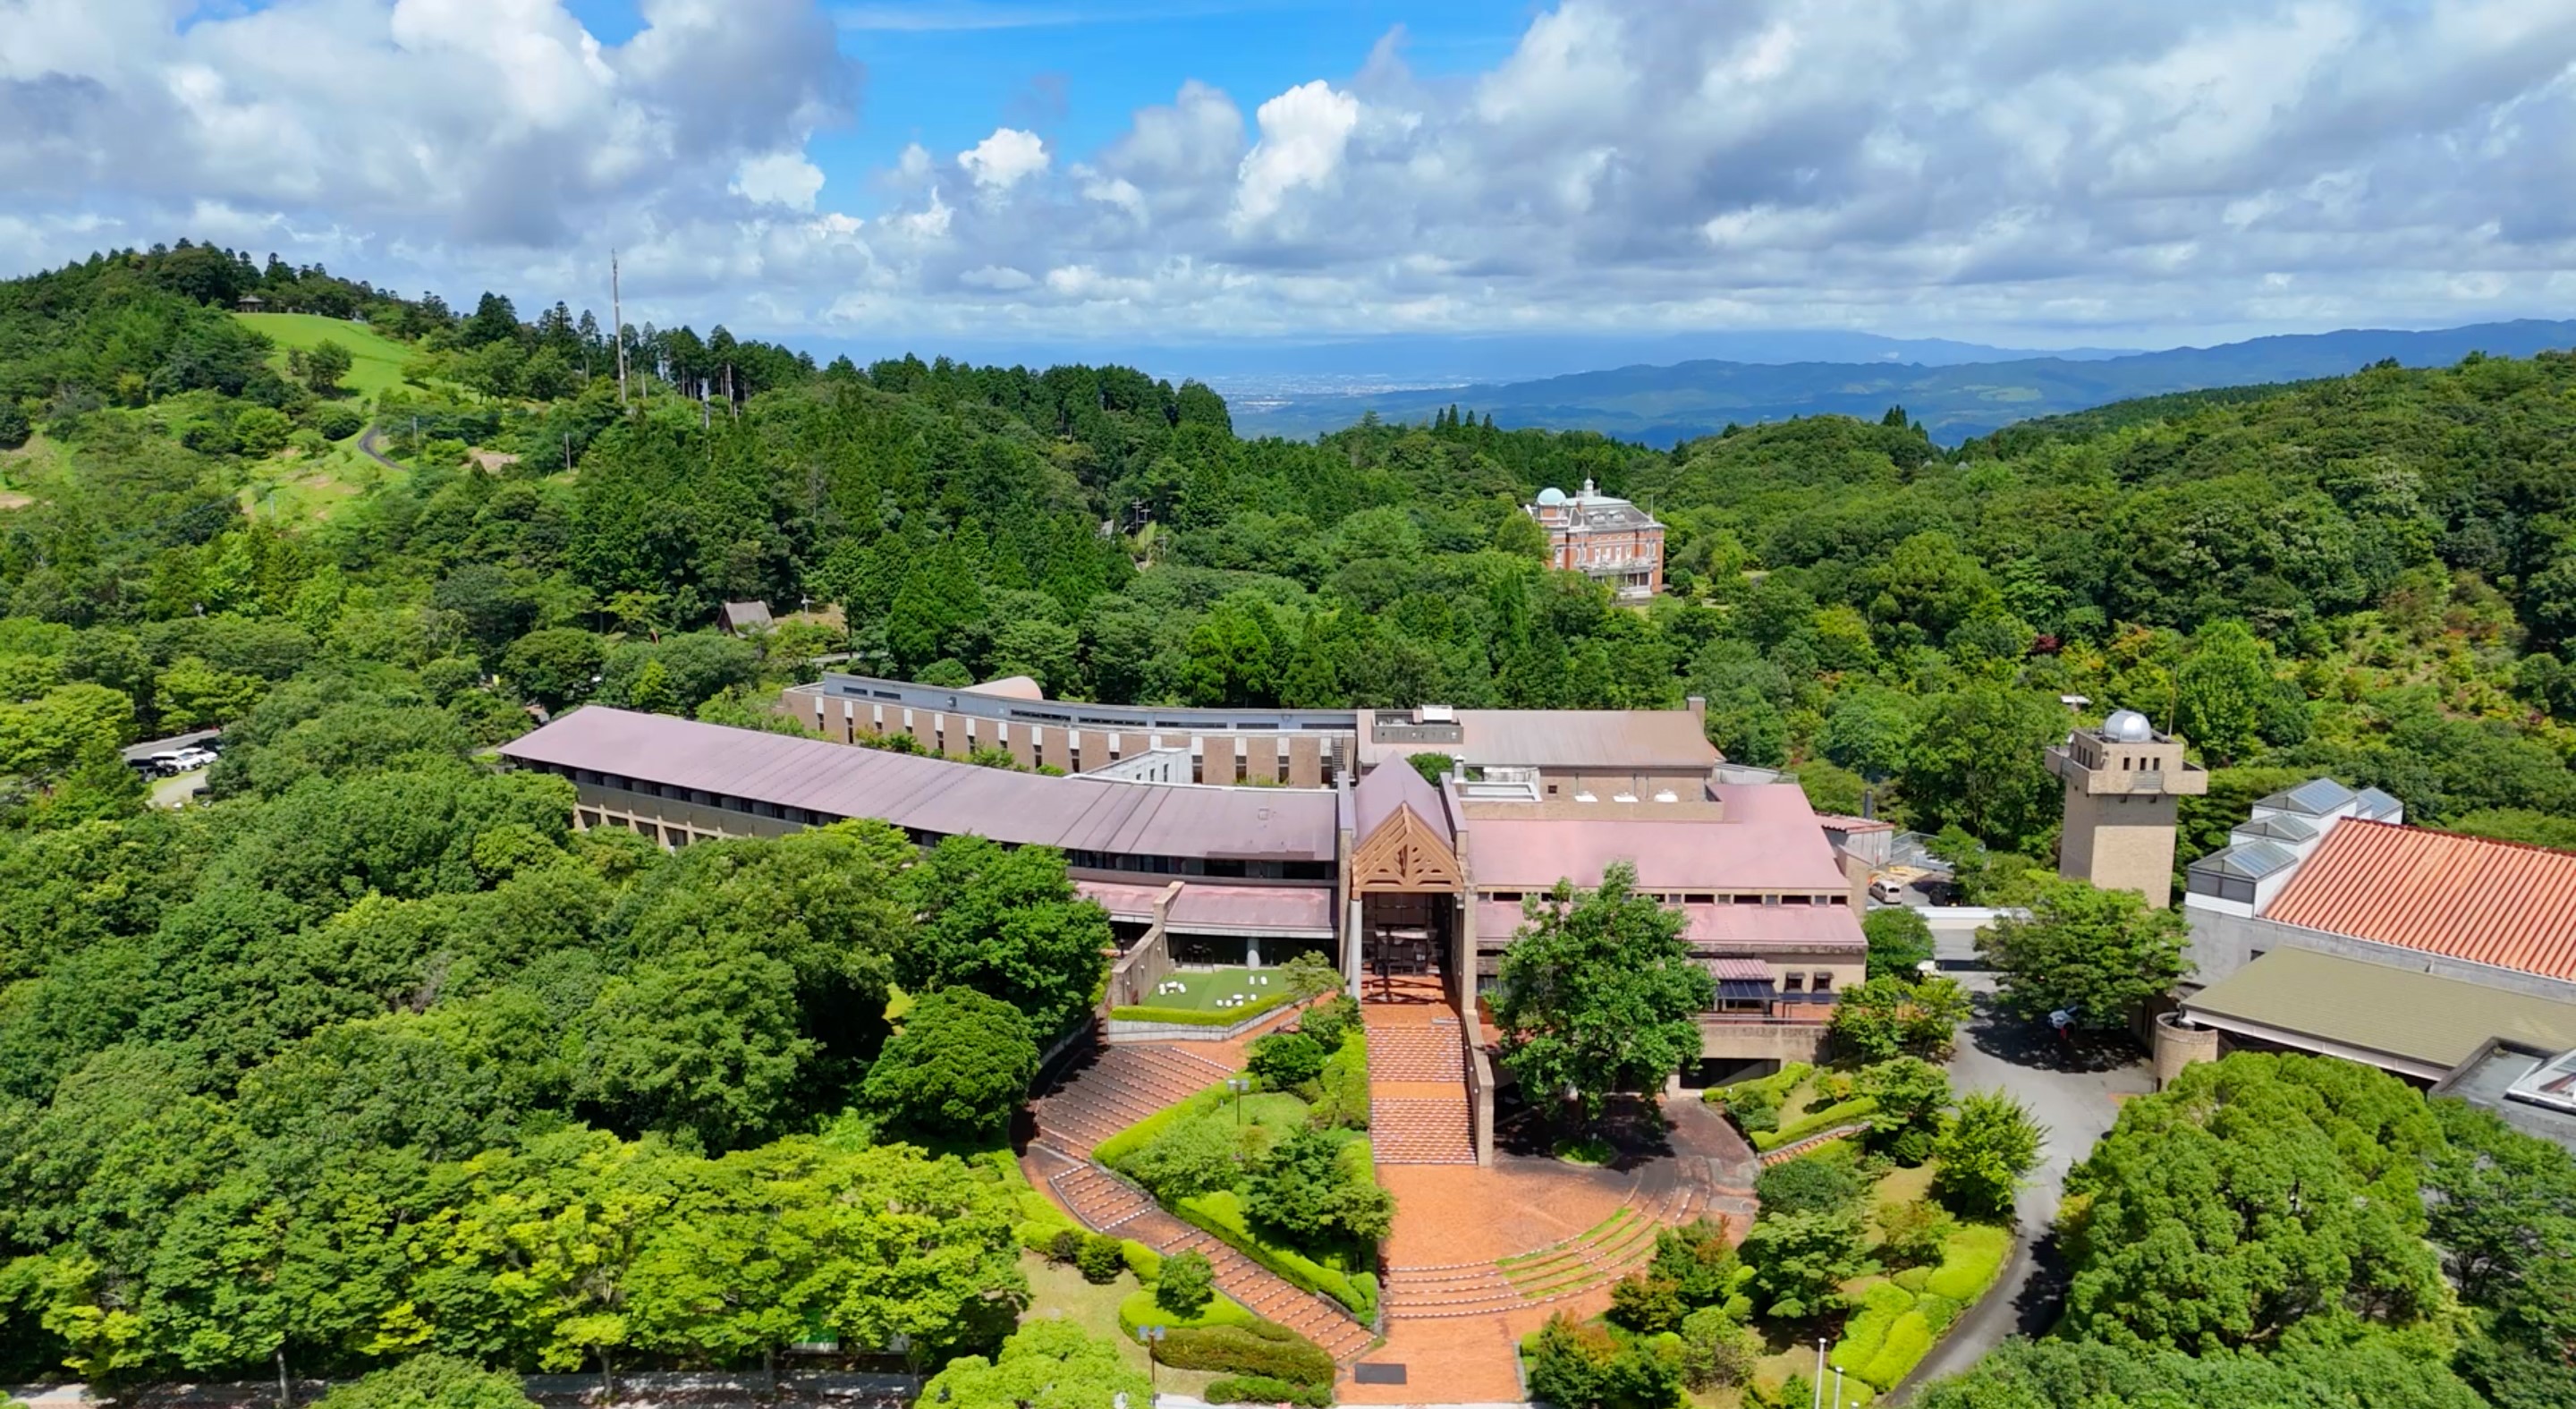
(1120, 1086)
(1418, 1092)
(1670, 1192)
(1272, 1297)
(1410, 1053)
(1115, 1088)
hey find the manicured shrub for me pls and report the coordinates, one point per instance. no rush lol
(1262, 1389)
(1577, 1364)
(1286, 1060)
(1264, 1348)
(1196, 1156)
(1907, 1342)
(1303, 1189)
(1808, 1186)
(431, 1381)
(1329, 1023)
(1101, 1259)
(1716, 1350)
(1974, 1258)
(1342, 1096)
(1647, 1304)
(1698, 1259)
(1187, 1285)
(1913, 1234)
(1814, 1122)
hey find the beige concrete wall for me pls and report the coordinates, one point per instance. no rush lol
(2177, 1047)
(2120, 842)
(1751, 1041)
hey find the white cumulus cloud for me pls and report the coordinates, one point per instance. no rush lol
(1004, 159)
(1303, 134)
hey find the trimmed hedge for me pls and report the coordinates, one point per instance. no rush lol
(1768, 1090)
(1970, 1263)
(1201, 1017)
(1261, 1389)
(1908, 1341)
(1138, 1308)
(1221, 1215)
(1128, 1141)
(1814, 1122)
(1262, 1348)
(1899, 1320)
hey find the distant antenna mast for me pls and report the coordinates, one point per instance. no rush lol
(617, 315)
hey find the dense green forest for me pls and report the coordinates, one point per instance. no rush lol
(371, 1056)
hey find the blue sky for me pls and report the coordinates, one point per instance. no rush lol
(945, 75)
(1106, 174)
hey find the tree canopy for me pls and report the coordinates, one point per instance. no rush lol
(1597, 994)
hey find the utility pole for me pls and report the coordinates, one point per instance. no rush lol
(617, 316)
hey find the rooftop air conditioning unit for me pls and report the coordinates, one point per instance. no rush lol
(1436, 714)
(1667, 795)
(1623, 797)
(1585, 797)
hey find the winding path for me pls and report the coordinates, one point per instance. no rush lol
(2077, 1095)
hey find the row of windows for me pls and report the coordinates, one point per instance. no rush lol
(1700, 897)
(1219, 866)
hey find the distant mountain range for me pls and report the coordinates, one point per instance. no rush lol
(1953, 398)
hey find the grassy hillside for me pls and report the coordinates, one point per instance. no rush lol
(378, 360)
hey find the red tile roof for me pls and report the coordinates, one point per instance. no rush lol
(2489, 902)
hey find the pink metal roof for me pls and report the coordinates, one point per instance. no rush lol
(1393, 785)
(1259, 910)
(1769, 841)
(1742, 970)
(937, 795)
(1656, 739)
(1799, 928)
(2489, 902)
(1124, 902)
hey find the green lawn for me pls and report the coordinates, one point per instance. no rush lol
(1202, 988)
(377, 360)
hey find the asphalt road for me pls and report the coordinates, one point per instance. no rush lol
(2076, 1094)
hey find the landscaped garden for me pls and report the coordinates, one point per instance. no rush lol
(1115, 1288)
(1877, 1242)
(1221, 997)
(1280, 1173)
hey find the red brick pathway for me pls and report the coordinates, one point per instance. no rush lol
(1417, 1085)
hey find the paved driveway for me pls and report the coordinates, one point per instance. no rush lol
(2077, 1095)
